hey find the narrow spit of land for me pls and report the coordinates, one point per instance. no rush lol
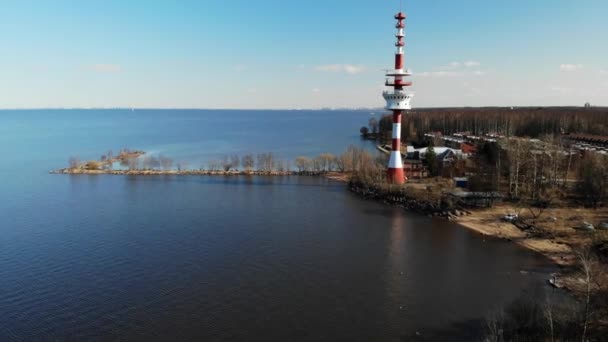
(134, 163)
(340, 176)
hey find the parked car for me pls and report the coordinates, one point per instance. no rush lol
(603, 226)
(510, 218)
(587, 226)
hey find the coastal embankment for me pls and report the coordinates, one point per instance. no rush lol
(408, 198)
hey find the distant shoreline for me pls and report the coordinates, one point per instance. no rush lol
(333, 175)
(377, 109)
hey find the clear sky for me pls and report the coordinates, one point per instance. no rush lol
(299, 54)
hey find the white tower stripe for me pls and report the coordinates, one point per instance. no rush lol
(395, 162)
(396, 131)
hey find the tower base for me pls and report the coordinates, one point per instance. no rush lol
(396, 176)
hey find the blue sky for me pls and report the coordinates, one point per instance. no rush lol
(299, 54)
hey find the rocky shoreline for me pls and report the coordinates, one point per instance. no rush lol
(418, 205)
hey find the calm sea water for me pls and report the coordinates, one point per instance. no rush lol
(227, 259)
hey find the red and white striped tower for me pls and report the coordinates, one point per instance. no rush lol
(398, 101)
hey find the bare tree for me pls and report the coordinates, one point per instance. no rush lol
(303, 163)
(265, 162)
(235, 161)
(327, 161)
(132, 163)
(182, 166)
(317, 164)
(165, 163)
(352, 158)
(516, 156)
(549, 316)
(151, 163)
(214, 165)
(368, 170)
(74, 162)
(586, 265)
(495, 326)
(279, 165)
(226, 163)
(340, 163)
(248, 162)
(373, 125)
(154, 162)
(593, 175)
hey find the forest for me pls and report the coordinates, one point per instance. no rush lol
(530, 122)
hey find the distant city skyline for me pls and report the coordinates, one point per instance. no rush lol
(272, 54)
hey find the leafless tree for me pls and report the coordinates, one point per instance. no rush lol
(317, 164)
(214, 165)
(327, 161)
(373, 125)
(586, 267)
(151, 163)
(351, 159)
(182, 166)
(265, 162)
(279, 165)
(248, 162)
(165, 163)
(593, 175)
(132, 163)
(340, 163)
(227, 163)
(74, 162)
(495, 325)
(235, 161)
(303, 163)
(548, 311)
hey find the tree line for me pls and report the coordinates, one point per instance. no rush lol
(353, 159)
(520, 121)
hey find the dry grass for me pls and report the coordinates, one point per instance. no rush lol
(555, 234)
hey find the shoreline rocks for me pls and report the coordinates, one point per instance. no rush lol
(418, 205)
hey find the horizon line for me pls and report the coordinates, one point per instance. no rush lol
(289, 109)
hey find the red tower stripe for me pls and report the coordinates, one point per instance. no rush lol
(396, 144)
(397, 116)
(398, 62)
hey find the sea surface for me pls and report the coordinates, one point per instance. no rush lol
(228, 258)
